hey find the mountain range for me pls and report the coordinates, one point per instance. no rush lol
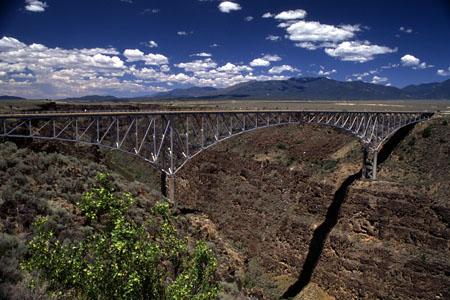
(93, 98)
(303, 88)
(312, 88)
(7, 97)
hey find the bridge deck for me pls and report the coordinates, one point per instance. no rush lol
(87, 113)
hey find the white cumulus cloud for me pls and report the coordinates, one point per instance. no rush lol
(442, 72)
(273, 38)
(357, 51)
(197, 65)
(10, 43)
(151, 44)
(303, 31)
(283, 68)
(265, 60)
(291, 15)
(150, 59)
(271, 57)
(307, 45)
(377, 79)
(323, 72)
(37, 71)
(37, 57)
(406, 30)
(133, 54)
(409, 60)
(232, 68)
(248, 19)
(35, 6)
(202, 54)
(228, 6)
(260, 62)
(267, 15)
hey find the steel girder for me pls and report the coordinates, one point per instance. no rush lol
(168, 140)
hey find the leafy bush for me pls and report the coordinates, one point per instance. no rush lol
(11, 162)
(44, 161)
(11, 249)
(7, 148)
(426, 132)
(3, 164)
(120, 259)
(23, 168)
(19, 180)
(329, 164)
(66, 186)
(280, 146)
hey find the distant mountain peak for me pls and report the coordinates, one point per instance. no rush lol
(311, 88)
(8, 97)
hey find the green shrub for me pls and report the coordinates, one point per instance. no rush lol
(7, 148)
(329, 164)
(12, 250)
(23, 168)
(62, 159)
(41, 178)
(66, 186)
(426, 132)
(11, 162)
(3, 164)
(280, 146)
(120, 259)
(444, 123)
(19, 180)
(23, 152)
(291, 159)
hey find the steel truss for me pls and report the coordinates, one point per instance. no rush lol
(168, 140)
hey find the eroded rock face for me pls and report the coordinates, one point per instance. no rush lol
(270, 194)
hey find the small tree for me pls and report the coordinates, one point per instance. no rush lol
(120, 259)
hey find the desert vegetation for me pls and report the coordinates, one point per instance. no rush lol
(66, 234)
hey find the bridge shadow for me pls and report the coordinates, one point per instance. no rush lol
(393, 142)
(321, 233)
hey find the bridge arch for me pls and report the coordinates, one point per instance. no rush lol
(169, 139)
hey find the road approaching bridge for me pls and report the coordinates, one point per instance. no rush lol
(169, 139)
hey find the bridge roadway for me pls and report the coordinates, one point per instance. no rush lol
(169, 139)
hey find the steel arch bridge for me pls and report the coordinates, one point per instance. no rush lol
(169, 139)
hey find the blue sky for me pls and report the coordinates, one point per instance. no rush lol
(55, 48)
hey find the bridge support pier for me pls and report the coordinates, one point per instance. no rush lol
(370, 164)
(168, 187)
(172, 190)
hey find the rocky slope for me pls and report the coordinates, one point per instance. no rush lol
(276, 194)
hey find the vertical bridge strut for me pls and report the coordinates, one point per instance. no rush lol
(169, 139)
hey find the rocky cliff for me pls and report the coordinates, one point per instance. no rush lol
(289, 201)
